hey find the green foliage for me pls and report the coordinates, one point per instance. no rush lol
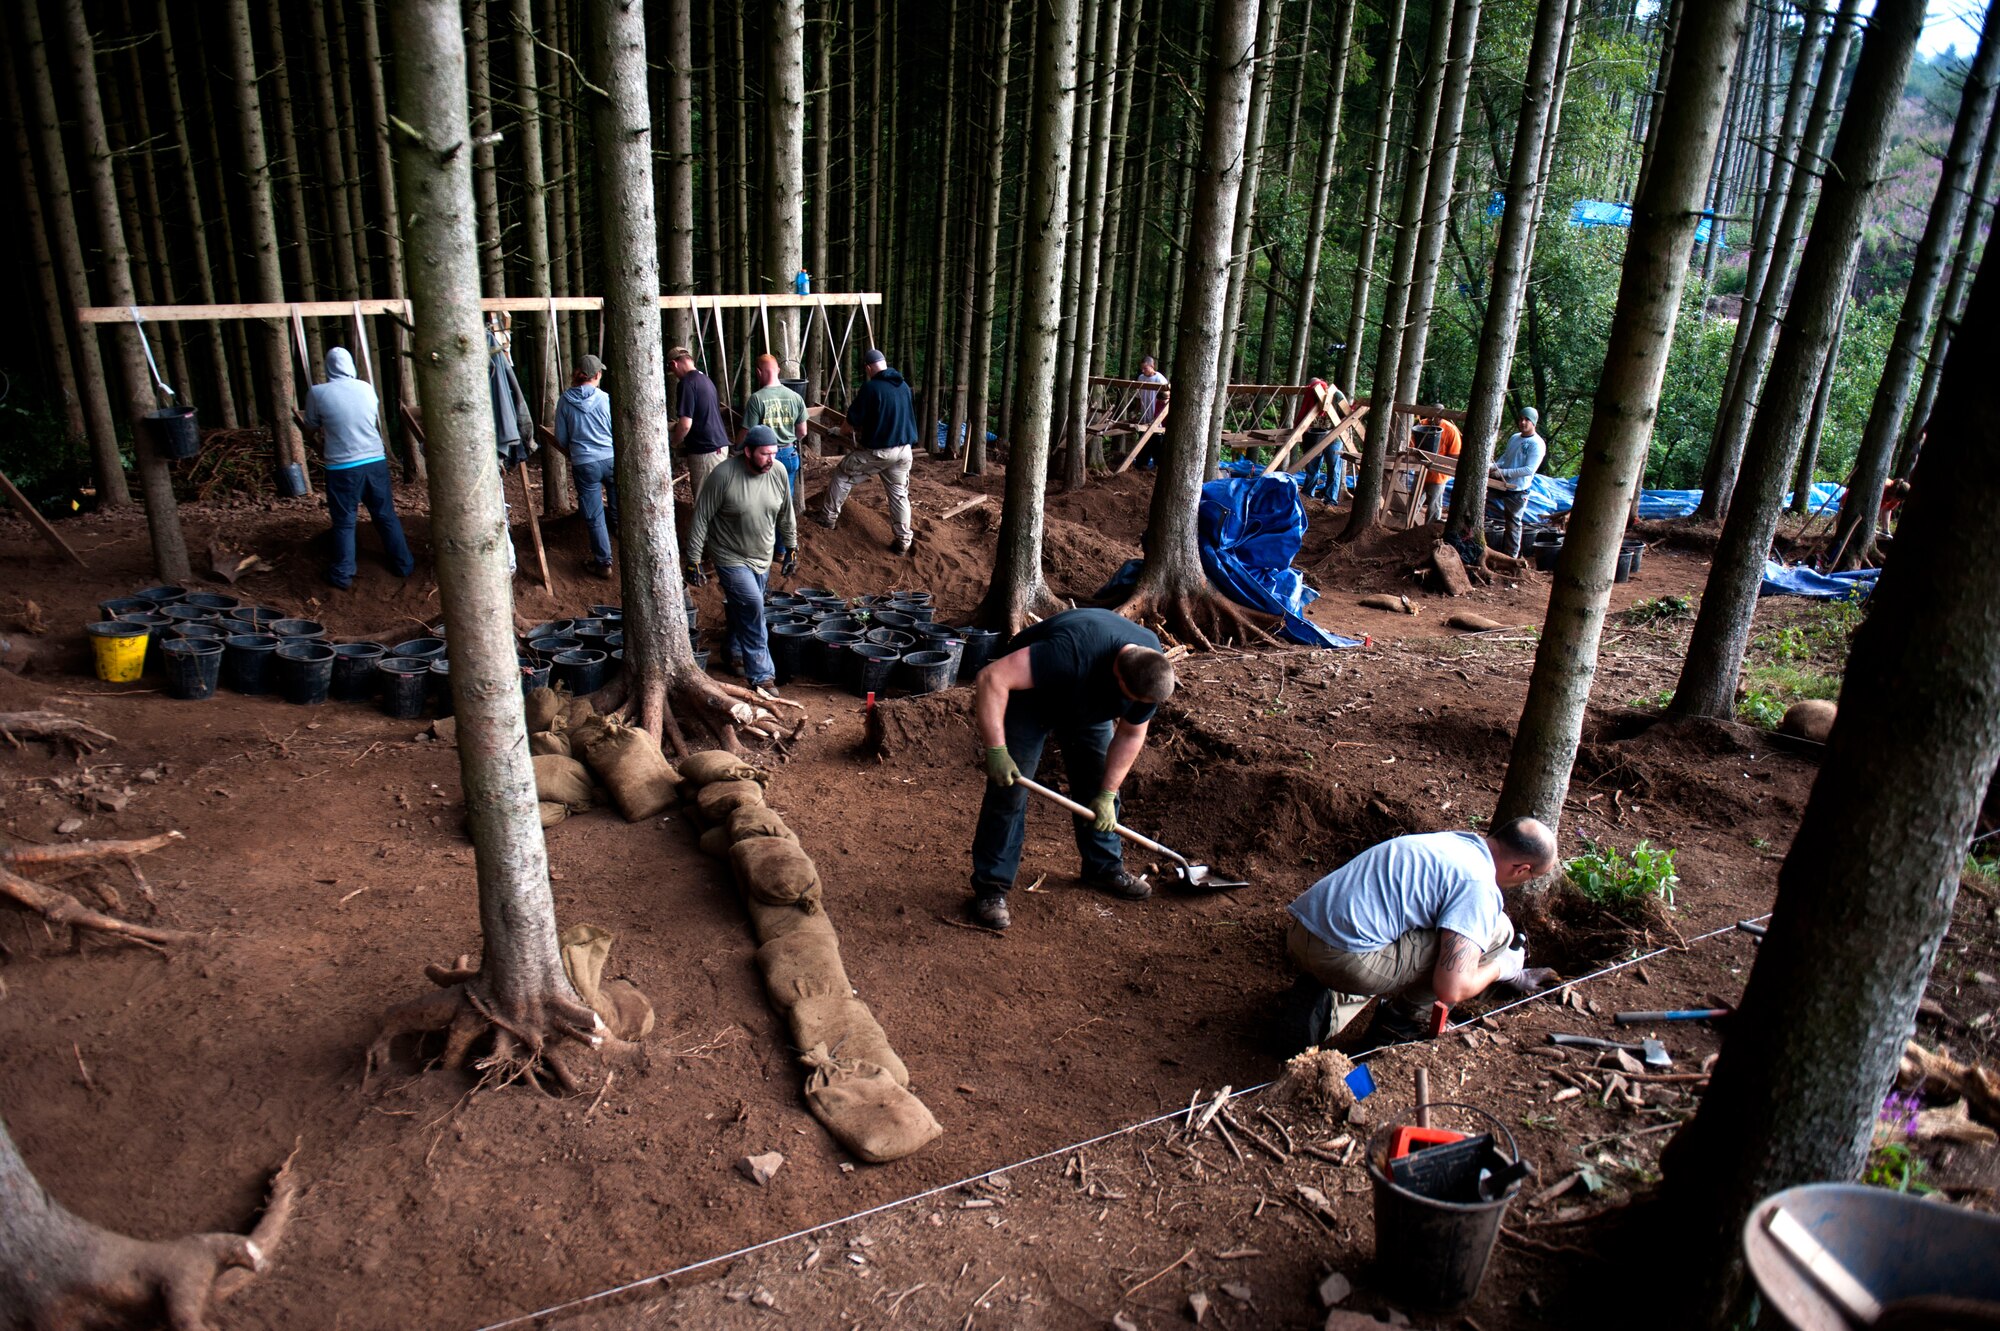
(1985, 868)
(1656, 609)
(1894, 1166)
(1623, 883)
(1760, 709)
(1659, 700)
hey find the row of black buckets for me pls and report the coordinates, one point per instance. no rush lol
(871, 644)
(1547, 543)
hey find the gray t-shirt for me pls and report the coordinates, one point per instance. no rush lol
(1432, 880)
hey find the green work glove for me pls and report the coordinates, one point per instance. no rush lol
(1105, 806)
(1000, 768)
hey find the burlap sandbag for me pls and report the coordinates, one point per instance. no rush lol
(576, 711)
(715, 842)
(866, 1109)
(626, 1012)
(774, 922)
(549, 742)
(713, 765)
(848, 1030)
(562, 781)
(717, 801)
(551, 812)
(802, 965)
(752, 820)
(629, 763)
(774, 871)
(543, 707)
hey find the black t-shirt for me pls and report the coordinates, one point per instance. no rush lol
(1071, 655)
(705, 431)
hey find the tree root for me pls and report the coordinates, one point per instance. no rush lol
(1202, 615)
(53, 726)
(727, 711)
(522, 1033)
(61, 908)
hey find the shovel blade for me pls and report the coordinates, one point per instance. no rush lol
(1201, 878)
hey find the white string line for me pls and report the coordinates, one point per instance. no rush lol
(1052, 1154)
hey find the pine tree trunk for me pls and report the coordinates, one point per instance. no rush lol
(1802, 475)
(390, 221)
(1437, 200)
(485, 174)
(713, 237)
(156, 483)
(147, 228)
(572, 176)
(350, 151)
(1486, 406)
(225, 394)
(1733, 421)
(54, 328)
(1246, 222)
(819, 227)
(679, 274)
(1855, 532)
(1722, 628)
(874, 149)
(1111, 248)
(93, 385)
(333, 172)
(1132, 342)
(1371, 208)
(1275, 229)
(1091, 245)
(987, 241)
(1017, 247)
(934, 381)
(1628, 398)
(1718, 176)
(740, 162)
(558, 491)
(1865, 896)
(1382, 427)
(1323, 173)
(785, 158)
(229, 284)
(286, 170)
(1017, 588)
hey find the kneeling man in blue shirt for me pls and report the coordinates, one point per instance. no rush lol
(1414, 920)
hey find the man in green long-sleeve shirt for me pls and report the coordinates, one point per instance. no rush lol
(742, 515)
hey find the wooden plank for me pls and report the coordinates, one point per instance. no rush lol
(949, 514)
(1140, 447)
(1299, 429)
(1355, 411)
(334, 309)
(534, 525)
(37, 521)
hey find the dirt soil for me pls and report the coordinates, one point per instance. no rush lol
(324, 867)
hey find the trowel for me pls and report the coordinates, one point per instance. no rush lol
(1189, 876)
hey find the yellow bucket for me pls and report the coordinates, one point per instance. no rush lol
(120, 649)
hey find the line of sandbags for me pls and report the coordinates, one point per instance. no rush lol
(856, 1085)
(571, 742)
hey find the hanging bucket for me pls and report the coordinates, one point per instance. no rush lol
(192, 667)
(291, 480)
(246, 662)
(120, 649)
(354, 670)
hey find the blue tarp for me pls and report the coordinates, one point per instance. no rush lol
(1798, 580)
(1597, 212)
(1550, 495)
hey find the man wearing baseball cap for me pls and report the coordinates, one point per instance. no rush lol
(744, 517)
(883, 422)
(583, 431)
(698, 431)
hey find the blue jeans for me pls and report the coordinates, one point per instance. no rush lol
(1328, 469)
(1003, 813)
(346, 491)
(743, 615)
(597, 494)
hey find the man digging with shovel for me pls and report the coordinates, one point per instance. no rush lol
(1416, 920)
(1093, 680)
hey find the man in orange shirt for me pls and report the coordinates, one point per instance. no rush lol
(1448, 444)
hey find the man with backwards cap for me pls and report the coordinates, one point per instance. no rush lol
(884, 425)
(583, 432)
(743, 514)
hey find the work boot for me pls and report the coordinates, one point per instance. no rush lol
(902, 547)
(1392, 1024)
(1123, 885)
(1305, 1016)
(823, 520)
(990, 909)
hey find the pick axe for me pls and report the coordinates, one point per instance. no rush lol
(1651, 1052)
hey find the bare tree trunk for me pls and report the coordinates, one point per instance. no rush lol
(485, 175)
(740, 184)
(820, 226)
(713, 239)
(1802, 476)
(1437, 199)
(229, 285)
(1017, 250)
(350, 151)
(333, 171)
(1865, 896)
(572, 174)
(1131, 345)
(987, 240)
(1246, 222)
(1017, 589)
(1371, 209)
(874, 151)
(1485, 408)
(1733, 421)
(1090, 254)
(1396, 298)
(558, 490)
(156, 483)
(1079, 175)
(785, 158)
(93, 385)
(54, 328)
(1855, 532)
(225, 395)
(1722, 628)
(679, 276)
(1628, 398)
(1173, 589)
(291, 183)
(934, 382)
(1323, 174)
(147, 227)
(390, 221)
(1110, 248)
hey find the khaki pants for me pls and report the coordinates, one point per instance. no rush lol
(699, 465)
(1400, 972)
(893, 466)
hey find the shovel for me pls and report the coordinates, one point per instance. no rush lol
(1192, 877)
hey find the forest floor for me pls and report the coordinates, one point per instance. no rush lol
(324, 866)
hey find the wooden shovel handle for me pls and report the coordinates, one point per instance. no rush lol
(1083, 812)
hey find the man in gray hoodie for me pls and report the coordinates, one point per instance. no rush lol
(583, 430)
(1514, 475)
(344, 410)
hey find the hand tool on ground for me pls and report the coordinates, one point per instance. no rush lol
(1753, 929)
(1673, 1014)
(1194, 877)
(1651, 1052)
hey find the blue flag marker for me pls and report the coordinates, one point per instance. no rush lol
(1361, 1081)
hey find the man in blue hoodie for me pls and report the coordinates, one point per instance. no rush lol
(1514, 471)
(344, 410)
(583, 430)
(883, 424)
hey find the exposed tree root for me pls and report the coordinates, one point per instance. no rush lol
(1011, 611)
(523, 1033)
(59, 1272)
(1202, 616)
(53, 726)
(727, 711)
(59, 907)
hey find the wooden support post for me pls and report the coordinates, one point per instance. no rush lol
(1300, 427)
(534, 523)
(1148, 433)
(37, 521)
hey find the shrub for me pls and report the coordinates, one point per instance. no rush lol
(1760, 709)
(1622, 883)
(1656, 609)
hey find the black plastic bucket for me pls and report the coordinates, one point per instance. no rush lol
(181, 612)
(255, 618)
(156, 625)
(582, 668)
(608, 611)
(1628, 560)
(554, 628)
(212, 601)
(354, 670)
(701, 660)
(825, 653)
(203, 630)
(896, 638)
(812, 593)
(175, 433)
(246, 662)
(305, 629)
(788, 643)
(166, 595)
(427, 649)
(927, 672)
(291, 480)
(840, 623)
(979, 647)
(773, 619)
(920, 612)
(123, 605)
(191, 667)
(868, 667)
(405, 685)
(439, 679)
(591, 633)
(305, 672)
(898, 618)
(548, 648)
(914, 595)
(1430, 1251)
(1637, 549)
(1546, 555)
(534, 672)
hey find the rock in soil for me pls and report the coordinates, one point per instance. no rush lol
(761, 1169)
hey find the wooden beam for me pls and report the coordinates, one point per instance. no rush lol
(1299, 429)
(333, 309)
(37, 521)
(1355, 411)
(1140, 447)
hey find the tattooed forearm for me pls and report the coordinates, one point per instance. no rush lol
(1458, 954)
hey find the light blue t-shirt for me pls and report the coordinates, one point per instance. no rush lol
(1432, 880)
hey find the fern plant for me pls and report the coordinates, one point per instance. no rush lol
(1622, 883)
